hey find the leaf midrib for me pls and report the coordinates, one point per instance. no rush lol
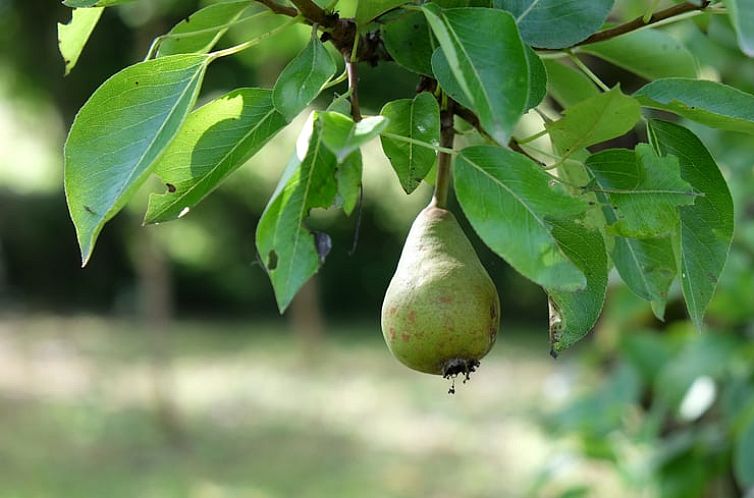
(157, 135)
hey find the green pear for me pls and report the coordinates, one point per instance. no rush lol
(441, 311)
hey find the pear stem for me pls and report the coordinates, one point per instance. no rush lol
(447, 135)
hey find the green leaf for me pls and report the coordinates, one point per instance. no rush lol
(200, 31)
(416, 119)
(348, 176)
(743, 456)
(650, 53)
(119, 134)
(215, 140)
(409, 42)
(742, 16)
(643, 190)
(492, 77)
(706, 102)
(597, 119)
(554, 23)
(367, 10)
(342, 136)
(567, 85)
(537, 79)
(574, 313)
(287, 248)
(72, 37)
(706, 228)
(509, 202)
(93, 3)
(303, 79)
(647, 266)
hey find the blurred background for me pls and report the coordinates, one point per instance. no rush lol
(163, 369)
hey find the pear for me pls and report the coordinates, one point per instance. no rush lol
(441, 312)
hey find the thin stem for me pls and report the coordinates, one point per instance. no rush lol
(588, 72)
(552, 55)
(447, 136)
(355, 48)
(178, 36)
(418, 143)
(226, 25)
(531, 138)
(254, 41)
(337, 81)
(153, 48)
(543, 152)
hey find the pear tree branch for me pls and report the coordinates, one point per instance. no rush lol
(642, 21)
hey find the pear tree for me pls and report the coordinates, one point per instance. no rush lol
(509, 117)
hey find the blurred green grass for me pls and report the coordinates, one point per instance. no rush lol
(249, 410)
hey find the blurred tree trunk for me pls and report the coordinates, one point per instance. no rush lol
(306, 316)
(3, 278)
(155, 294)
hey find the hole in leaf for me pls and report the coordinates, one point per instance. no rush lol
(272, 260)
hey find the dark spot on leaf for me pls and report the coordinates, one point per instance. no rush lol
(137, 83)
(67, 61)
(89, 210)
(323, 242)
(171, 187)
(272, 260)
(188, 19)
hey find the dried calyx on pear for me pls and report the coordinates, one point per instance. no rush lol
(441, 312)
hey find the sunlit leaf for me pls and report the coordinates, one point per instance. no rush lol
(72, 37)
(342, 136)
(215, 140)
(286, 246)
(120, 132)
(200, 31)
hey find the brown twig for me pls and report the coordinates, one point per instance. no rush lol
(279, 9)
(639, 22)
